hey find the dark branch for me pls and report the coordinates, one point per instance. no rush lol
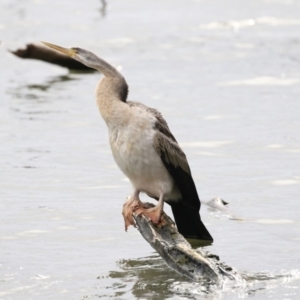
(178, 253)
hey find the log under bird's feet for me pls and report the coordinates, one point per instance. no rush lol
(131, 205)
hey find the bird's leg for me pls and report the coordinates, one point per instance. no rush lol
(153, 213)
(132, 203)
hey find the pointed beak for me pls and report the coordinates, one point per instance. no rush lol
(69, 52)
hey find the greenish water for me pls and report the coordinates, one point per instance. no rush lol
(225, 74)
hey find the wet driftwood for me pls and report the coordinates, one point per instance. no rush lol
(39, 52)
(178, 253)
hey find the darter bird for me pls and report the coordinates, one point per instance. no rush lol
(145, 150)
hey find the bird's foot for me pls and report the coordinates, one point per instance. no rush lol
(153, 213)
(132, 204)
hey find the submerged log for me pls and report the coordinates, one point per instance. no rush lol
(178, 253)
(39, 52)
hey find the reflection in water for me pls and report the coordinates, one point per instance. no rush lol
(50, 83)
(27, 98)
(150, 278)
(103, 9)
(154, 277)
(22, 91)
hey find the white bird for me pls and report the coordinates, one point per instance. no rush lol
(145, 150)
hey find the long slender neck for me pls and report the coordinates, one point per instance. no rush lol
(111, 94)
(114, 84)
(111, 91)
(93, 61)
(106, 69)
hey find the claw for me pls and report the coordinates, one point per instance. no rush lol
(153, 213)
(131, 205)
(134, 205)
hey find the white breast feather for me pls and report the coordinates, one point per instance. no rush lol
(133, 151)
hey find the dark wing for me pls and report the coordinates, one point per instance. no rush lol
(186, 211)
(176, 163)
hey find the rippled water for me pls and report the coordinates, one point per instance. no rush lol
(225, 74)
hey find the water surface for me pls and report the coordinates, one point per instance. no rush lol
(225, 74)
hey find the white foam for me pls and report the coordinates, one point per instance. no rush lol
(263, 81)
(18, 289)
(275, 221)
(237, 24)
(291, 181)
(7, 237)
(207, 144)
(277, 21)
(231, 24)
(40, 277)
(275, 146)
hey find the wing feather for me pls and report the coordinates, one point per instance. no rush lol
(170, 152)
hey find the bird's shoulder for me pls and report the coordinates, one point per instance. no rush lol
(160, 124)
(164, 142)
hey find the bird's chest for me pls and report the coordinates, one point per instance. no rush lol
(133, 151)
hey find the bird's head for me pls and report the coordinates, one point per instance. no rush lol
(117, 83)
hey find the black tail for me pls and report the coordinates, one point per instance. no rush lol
(188, 221)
